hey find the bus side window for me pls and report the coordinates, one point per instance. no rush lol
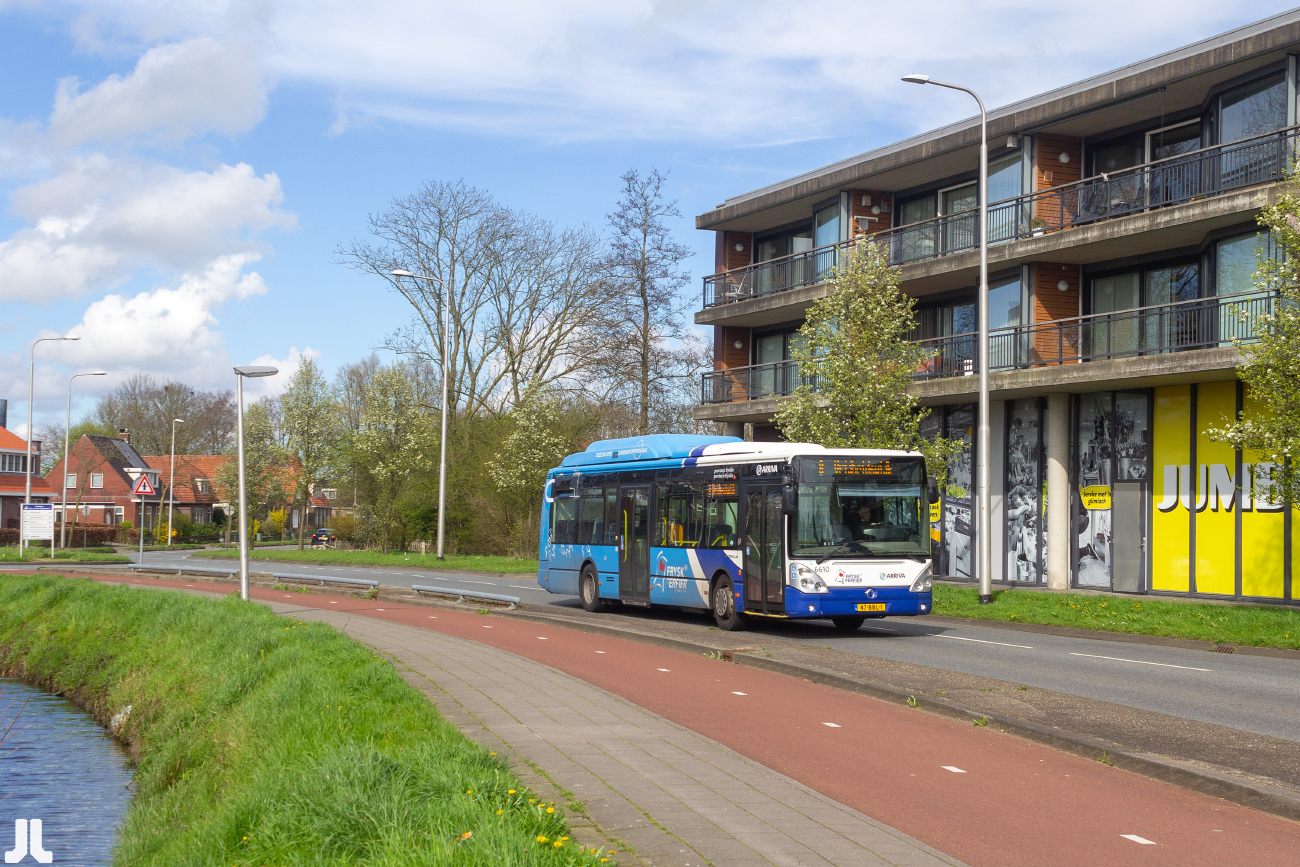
(611, 515)
(591, 516)
(563, 520)
(720, 522)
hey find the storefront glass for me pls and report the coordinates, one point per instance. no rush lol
(1113, 444)
(958, 526)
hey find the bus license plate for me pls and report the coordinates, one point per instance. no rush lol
(871, 606)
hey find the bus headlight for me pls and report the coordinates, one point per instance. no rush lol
(922, 583)
(804, 579)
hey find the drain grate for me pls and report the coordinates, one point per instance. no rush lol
(1224, 648)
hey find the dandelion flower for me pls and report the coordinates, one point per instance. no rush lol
(499, 812)
(550, 809)
(541, 839)
(469, 791)
(510, 792)
(557, 844)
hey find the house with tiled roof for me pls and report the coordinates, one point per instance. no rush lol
(100, 473)
(194, 492)
(13, 476)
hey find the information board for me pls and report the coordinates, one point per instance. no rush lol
(37, 522)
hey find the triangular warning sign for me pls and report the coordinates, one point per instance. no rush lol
(142, 486)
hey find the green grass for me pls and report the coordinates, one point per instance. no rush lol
(458, 562)
(41, 554)
(1259, 625)
(267, 741)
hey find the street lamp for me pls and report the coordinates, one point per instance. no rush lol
(31, 395)
(983, 542)
(67, 457)
(171, 480)
(446, 349)
(240, 374)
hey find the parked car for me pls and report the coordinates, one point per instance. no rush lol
(324, 538)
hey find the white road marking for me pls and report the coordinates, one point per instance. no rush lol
(487, 627)
(833, 725)
(1136, 839)
(488, 583)
(982, 641)
(332, 602)
(663, 669)
(733, 692)
(542, 638)
(379, 609)
(431, 617)
(953, 768)
(600, 651)
(1141, 662)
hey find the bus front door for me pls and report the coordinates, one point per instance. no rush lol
(634, 544)
(764, 573)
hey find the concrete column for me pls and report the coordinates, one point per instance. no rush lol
(1058, 492)
(736, 429)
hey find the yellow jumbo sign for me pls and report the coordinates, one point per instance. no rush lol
(1199, 504)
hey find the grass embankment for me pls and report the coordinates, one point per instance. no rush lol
(265, 741)
(456, 562)
(41, 554)
(1259, 625)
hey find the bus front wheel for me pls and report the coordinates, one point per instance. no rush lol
(589, 590)
(848, 623)
(724, 606)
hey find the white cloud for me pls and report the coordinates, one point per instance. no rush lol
(175, 92)
(169, 330)
(101, 218)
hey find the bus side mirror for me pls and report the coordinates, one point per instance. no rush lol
(933, 490)
(789, 499)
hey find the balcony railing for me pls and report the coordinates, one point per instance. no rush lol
(1206, 172)
(1202, 323)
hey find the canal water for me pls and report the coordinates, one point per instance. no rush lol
(57, 765)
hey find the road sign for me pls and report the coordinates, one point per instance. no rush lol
(37, 522)
(142, 486)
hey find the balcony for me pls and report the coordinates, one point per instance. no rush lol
(1202, 323)
(1177, 180)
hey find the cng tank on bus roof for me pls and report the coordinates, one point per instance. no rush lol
(647, 448)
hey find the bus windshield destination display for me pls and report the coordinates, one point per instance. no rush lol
(713, 523)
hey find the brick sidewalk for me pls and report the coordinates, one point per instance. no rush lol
(675, 796)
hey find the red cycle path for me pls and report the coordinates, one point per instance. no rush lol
(1013, 802)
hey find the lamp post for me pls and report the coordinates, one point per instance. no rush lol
(983, 542)
(446, 349)
(67, 455)
(171, 480)
(240, 374)
(31, 396)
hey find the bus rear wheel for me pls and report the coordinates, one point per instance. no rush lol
(589, 590)
(848, 623)
(724, 606)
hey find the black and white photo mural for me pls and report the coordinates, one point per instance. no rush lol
(1113, 443)
(1025, 506)
(958, 526)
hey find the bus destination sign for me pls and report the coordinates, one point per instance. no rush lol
(854, 466)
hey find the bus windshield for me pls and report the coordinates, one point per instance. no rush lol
(858, 507)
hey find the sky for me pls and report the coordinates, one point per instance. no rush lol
(179, 176)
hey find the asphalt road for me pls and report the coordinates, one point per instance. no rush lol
(1250, 693)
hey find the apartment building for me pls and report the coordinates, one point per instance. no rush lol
(1122, 218)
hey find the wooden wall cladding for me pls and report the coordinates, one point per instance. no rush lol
(726, 256)
(1051, 303)
(1049, 171)
(861, 203)
(725, 352)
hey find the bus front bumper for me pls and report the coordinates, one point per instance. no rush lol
(847, 601)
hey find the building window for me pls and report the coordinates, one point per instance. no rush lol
(70, 480)
(13, 463)
(204, 486)
(97, 480)
(330, 493)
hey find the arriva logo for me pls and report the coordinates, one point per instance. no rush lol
(672, 571)
(27, 837)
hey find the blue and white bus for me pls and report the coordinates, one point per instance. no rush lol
(742, 529)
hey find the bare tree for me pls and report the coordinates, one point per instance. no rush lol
(309, 422)
(146, 407)
(525, 297)
(647, 330)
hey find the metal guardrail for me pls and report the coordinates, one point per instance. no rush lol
(1201, 323)
(323, 579)
(1174, 180)
(181, 570)
(462, 595)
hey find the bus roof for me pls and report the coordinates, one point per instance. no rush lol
(692, 449)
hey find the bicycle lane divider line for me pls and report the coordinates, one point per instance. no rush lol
(1048, 783)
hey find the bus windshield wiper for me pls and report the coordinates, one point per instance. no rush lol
(843, 549)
